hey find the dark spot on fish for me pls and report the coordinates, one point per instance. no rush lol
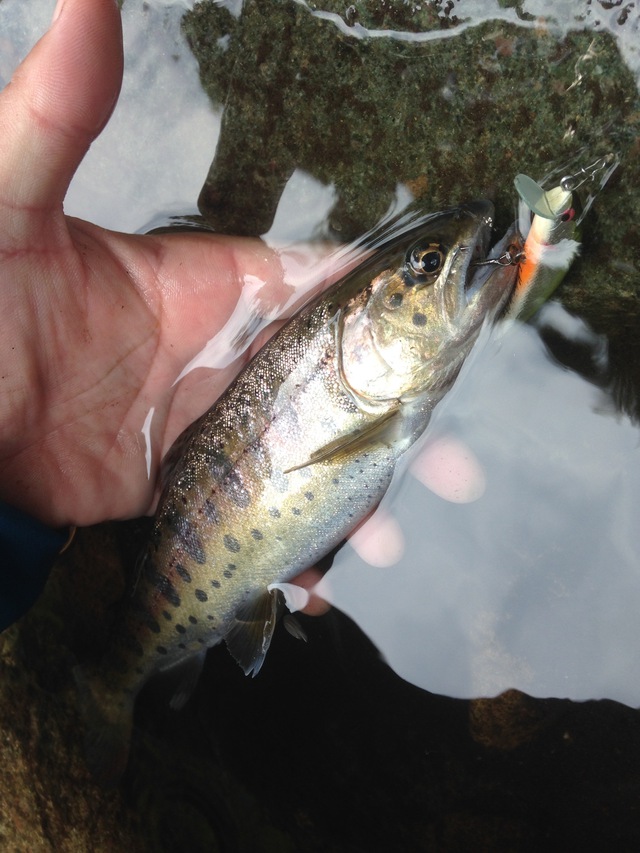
(227, 574)
(296, 511)
(190, 540)
(211, 511)
(181, 646)
(217, 462)
(257, 535)
(193, 620)
(146, 617)
(167, 615)
(231, 543)
(132, 644)
(209, 617)
(419, 319)
(335, 481)
(201, 595)
(274, 512)
(395, 300)
(181, 629)
(309, 496)
(200, 640)
(164, 586)
(161, 650)
(278, 538)
(235, 490)
(215, 584)
(184, 574)
(231, 566)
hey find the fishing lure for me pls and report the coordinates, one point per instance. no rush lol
(549, 223)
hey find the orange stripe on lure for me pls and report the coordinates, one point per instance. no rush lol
(550, 244)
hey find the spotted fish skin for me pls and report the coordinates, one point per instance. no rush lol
(298, 450)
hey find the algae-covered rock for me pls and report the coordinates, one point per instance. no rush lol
(48, 802)
(451, 117)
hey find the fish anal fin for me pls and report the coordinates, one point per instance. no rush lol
(249, 635)
(352, 442)
(187, 674)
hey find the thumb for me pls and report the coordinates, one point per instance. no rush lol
(58, 101)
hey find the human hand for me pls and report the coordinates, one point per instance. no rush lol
(95, 325)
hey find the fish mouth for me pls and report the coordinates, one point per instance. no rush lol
(491, 270)
(476, 248)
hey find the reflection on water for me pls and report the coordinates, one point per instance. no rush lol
(535, 585)
(155, 151)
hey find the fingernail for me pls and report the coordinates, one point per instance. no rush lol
(57, 10)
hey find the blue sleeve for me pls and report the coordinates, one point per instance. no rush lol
(27, 551)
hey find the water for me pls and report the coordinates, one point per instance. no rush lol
(534, 585)
(163, 117)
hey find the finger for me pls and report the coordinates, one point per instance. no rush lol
(58, 101)
(450, 469)
(378, 540)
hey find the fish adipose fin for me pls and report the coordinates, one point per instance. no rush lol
(249, 635)
(353, 442)
(108, 723)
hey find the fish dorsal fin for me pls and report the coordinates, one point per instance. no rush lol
(249, 635)
(351, 442)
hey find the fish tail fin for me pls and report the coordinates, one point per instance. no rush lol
(108, 722)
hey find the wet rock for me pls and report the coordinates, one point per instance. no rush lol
(47, 799)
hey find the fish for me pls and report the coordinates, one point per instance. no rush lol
(296, 452)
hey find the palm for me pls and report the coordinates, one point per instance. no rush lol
(115, 318)
(96, 325)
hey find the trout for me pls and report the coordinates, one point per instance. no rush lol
(297, 451)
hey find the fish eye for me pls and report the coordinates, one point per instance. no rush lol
(426, 261)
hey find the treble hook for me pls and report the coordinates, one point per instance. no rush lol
(570, 183)
(512, 257)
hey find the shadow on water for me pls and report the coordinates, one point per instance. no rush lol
(323, 117)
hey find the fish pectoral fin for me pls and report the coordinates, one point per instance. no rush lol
(294, 627)
(249, 635)
(376, 432)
